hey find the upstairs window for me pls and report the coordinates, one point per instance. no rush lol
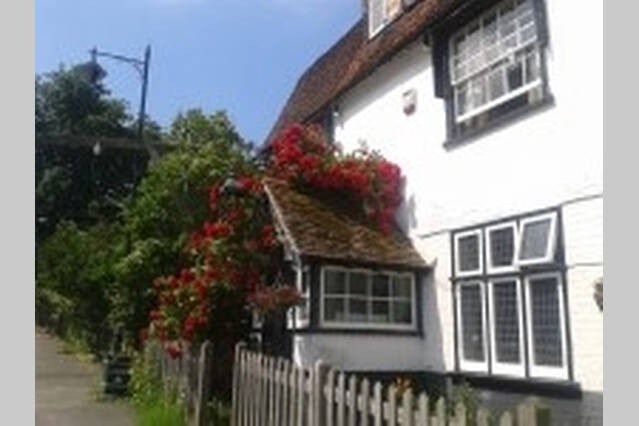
(380, 13)
(495, 65)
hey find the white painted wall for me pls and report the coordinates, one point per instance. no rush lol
(545, 159)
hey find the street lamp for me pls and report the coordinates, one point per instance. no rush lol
(141, 66)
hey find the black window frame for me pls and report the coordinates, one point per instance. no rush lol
(521, 274)
(442, 33)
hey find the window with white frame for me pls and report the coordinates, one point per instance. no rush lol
(495, 64)
(520, 282)
(380, 13)
(364, 298)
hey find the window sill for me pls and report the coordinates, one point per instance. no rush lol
(501, 122)
(360, 331)
(555, 388)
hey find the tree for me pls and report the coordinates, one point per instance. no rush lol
(169, 203)
(72, 109)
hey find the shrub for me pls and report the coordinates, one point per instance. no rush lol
(152, 406)
(74, 271)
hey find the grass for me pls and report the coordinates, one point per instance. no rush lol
(160, 413)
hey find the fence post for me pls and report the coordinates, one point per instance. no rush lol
(319, 399)
(235, 408)
(202, 392)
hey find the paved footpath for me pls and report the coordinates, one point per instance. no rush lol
(66, 390)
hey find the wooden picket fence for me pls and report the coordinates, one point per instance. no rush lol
(188, 375)
(270, 391)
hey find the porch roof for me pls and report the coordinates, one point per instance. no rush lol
(331, 227)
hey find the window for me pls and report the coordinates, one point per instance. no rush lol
(546, 328)
(380, 13)
(495, 65)
(520, 283)
(501, 247)
(469, 253)
(363, 298)
(299, 316)
(537, 243)
(471, 317)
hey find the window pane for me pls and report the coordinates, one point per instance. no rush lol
(515, 74)
(546, 325)
(468, 252)
(477, 91)
(335, 282)
(306, 279)
(502, 246)
(358, 283)
(472, 318)
(402, 312)
(534, 239)
(381, 312)
(357, 310)
(496, 83)
(334, 309)
(380, 285)
(506, 321)
(402, 287)
(461, 98)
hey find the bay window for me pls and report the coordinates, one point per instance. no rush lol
(369, 299)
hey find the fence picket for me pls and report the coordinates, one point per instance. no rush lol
(483, 417)
(423, 418)
(407, 408)
(440, 413)
(301, 387)
(310, 397)
(270, 402)
(277, 392)
(506, 419)
(378, 412)
(237, 369)
(330, 397)
(292, 396)
(352, 400)
(285, 376)
(341, 404)
(392, 406)
(365, 407)
(460, 415)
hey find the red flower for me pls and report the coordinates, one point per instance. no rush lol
(173, 349)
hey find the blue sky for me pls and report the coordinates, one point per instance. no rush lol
(241, 56)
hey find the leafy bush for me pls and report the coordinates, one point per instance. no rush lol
(152, 406)
(169, 203)
(73, 276)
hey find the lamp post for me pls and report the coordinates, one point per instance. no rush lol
(142, 66)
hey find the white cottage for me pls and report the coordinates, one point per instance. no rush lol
(493, 110)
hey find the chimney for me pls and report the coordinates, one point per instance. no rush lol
(364, 8)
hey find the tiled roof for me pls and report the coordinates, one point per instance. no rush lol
(328, 226)
(352, 58)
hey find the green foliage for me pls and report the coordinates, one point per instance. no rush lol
(73, 275)
(73, 183)
(195, 128)
(71, 101)
(169, 203)
(152, 406)
(468, 396)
